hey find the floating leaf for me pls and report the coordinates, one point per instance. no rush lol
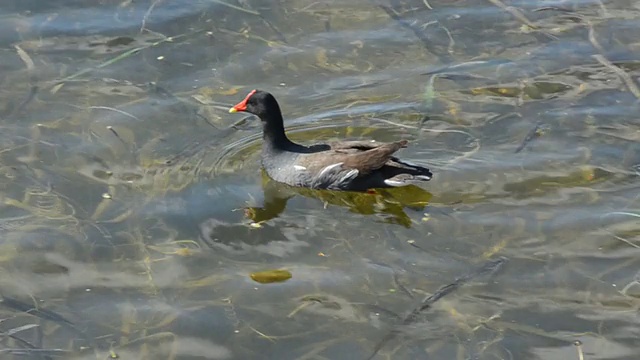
(271, 276)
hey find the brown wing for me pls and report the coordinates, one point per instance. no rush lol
(357, 145)
(364, 161)
(373, 159)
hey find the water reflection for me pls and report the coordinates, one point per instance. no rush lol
(388, 204)
(261, 229)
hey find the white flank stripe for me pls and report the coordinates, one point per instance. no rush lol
(329, 168)
(351, 174)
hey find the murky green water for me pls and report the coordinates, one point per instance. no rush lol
(134, 210)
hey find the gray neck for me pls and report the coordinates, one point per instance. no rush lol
(273, 135)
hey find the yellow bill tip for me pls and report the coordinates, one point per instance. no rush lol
(233, 110)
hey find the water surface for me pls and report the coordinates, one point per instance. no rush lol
(134, 210)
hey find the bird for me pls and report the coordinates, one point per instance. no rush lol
(355, 165)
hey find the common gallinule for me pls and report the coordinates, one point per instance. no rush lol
(343, 165)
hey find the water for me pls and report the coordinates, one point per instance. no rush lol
(134, 210)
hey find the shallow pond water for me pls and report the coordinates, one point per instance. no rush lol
(135, 218)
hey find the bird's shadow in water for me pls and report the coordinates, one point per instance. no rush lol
(389, 203)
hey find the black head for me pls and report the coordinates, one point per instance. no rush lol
(261, 104)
